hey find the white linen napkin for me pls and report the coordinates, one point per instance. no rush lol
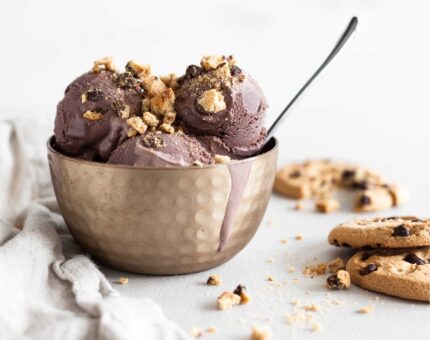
(48, 289)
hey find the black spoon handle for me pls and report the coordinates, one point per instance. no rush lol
(342, 40)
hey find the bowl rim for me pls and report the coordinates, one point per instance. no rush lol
(58, 154)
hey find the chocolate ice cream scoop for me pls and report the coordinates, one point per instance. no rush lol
(90, 121)
(221, 101)
(161, 150)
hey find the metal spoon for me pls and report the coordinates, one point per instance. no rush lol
(342, 40)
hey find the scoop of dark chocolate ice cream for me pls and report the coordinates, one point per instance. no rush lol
(224, 104)
(161, 150)
(90, 121)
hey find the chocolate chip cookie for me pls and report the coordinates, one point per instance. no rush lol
(387, 232)
(403, 273)
(319, 179)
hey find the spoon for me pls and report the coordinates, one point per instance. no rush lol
(342, 40)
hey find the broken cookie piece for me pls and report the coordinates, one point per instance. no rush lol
(340, 280)
(227, 300)
(214, 280)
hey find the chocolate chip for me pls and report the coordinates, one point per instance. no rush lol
(370, 268)
(366, 256)
(234, 70)
(363, 185)
(336, 243)
(378, 245)
(347, 174)
(126, 80)
(94, 94)
(295, 174)
(365, 200)
(401, 231)
(346, 245)
(239, 290)
(333, 282)
(193, 71)
(414, 259)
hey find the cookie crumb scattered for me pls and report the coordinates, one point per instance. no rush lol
(299, 237)
(311, 308)
(318, 269)
(296, 302)
(315, 327)
(270, 278)
(122, 280)
(212, 101)
(284, 241)
(340, 280)
(212, 330)
(196, 332)
(291, 269)
(261, 333)
(244, 296)
(366, 310)
(336, 265)
(227, 300)
(214, 280)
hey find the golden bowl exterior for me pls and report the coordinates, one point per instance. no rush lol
(158, 221)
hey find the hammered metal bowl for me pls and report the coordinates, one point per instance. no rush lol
(158, 220)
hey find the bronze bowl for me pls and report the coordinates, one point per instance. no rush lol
(159, 221)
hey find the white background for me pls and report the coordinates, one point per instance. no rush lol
(371, 106)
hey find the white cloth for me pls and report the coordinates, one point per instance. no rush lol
(48, 289)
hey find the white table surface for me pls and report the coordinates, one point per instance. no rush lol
(370, 107)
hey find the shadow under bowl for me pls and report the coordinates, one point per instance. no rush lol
(160, 221)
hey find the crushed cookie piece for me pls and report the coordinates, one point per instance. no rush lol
(244, 296)
(171, 80)
(196, 332)
(169, 117)
(211, 101)
(214, 280)
(284, 241)
(311, 308)
(127, 81)
(366, 310)
(92, 115)
(261, 333)
(335, 265)
(146, 105)
(327, 205)
(94, 94)
(150, 119)
(299, 237)
(122, 109)
(167, 128)
(122, 281)
(153, 140)
(270, 278)
(318, 269)
(137, 124)
(154, 86)
(138, 69)
(220, 159)
(222, 72)
(162, 103)
(103, 64)
(83, 98)
(131, 132)
(212, 62)
(227, 300)
(340, 280)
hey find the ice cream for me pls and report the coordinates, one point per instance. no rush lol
(135, 118)
(161, 150)
(224, 105)
(90, 120)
